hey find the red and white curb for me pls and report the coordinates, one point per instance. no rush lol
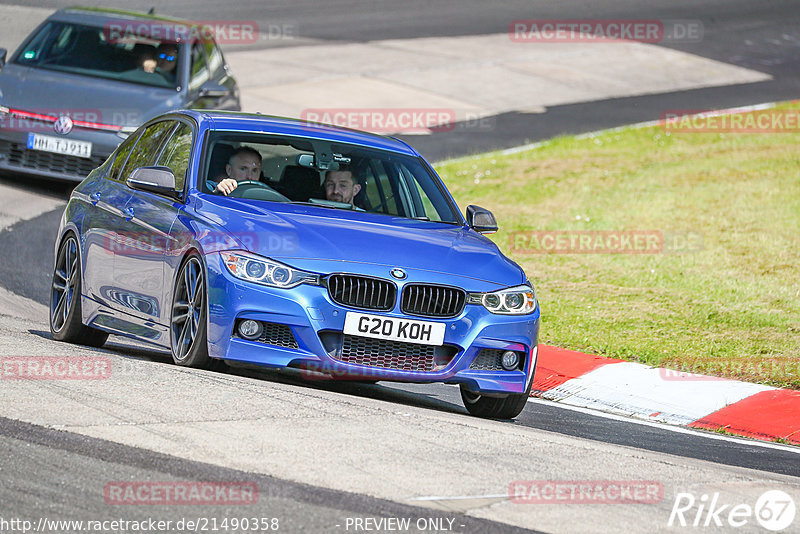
(660, 395)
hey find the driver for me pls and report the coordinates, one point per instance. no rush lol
(244, 164)
(165, 61)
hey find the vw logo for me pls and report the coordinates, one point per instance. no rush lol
(398, 273)
(63, 125)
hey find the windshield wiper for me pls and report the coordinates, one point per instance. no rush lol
(428, 219)
(321, 205)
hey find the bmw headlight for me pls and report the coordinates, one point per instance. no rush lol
(265, 271)
(519, 300)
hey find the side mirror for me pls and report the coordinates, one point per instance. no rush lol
(3, 53)
(481, 220)
(213, 90)
(158, 180)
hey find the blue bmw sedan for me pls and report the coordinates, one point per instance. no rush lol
(334, 251)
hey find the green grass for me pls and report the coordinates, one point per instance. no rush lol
(729, 305)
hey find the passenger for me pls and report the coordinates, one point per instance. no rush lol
(244, 164)
(341, 186)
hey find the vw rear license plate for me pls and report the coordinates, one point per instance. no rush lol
(394, 328)
(58, 145)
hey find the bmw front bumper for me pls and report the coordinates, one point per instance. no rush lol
(304, 329)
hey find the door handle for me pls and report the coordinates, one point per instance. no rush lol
(128, 214)
(95, 198)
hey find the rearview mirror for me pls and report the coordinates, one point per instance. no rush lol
(3, 53)
(158, 180)
(481, 220)
(326, 162)
(306, 160)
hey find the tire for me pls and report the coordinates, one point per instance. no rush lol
(187, 322)
(65, 299)
(507, 407)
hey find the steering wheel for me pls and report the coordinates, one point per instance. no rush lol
(255, 190)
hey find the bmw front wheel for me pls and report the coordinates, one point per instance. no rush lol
(505, 407)
(188, 317)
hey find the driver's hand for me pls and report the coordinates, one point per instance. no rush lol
(227, 186)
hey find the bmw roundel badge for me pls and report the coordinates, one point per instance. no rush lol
(398, 273)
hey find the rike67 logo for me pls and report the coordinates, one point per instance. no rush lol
(774, 510)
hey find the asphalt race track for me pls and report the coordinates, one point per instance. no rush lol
(52, 467)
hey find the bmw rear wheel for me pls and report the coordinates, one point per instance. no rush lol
(65, 299)
(188, 317)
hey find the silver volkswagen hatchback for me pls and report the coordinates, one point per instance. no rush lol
(86, 78)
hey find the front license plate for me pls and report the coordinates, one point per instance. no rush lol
(60, 145)
(394, 329)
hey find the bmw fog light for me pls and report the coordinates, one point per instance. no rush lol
(510, 360)
(250, 329)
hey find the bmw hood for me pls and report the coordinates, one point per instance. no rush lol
(327, 240)
(82, 97)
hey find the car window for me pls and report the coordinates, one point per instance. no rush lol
(176, 154)
(146, 149)
(34, 47)
(63, 40)
(418, 199)
(215, 60)
(359, 178)
(278, 158)
(378, 188)
(199, 74)
(396, 185)
(121, 157)
(102, 53)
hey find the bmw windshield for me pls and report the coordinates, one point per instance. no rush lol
(327, 174)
